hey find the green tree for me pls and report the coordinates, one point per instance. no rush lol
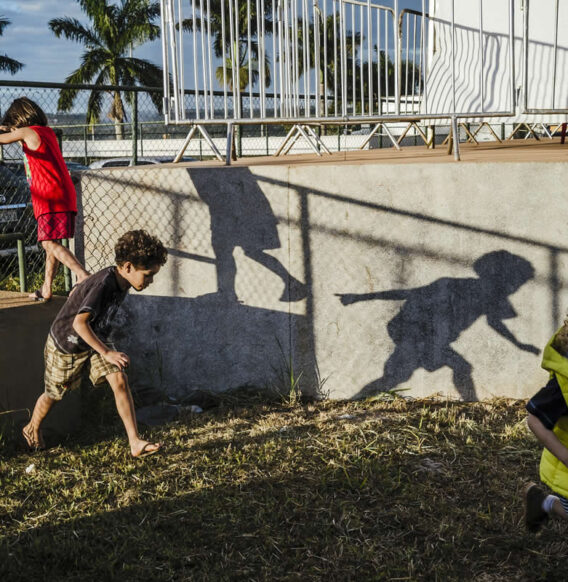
(114, 31)
(241, 46)
(6, 63)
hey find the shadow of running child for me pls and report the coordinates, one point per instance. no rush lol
(434, 316)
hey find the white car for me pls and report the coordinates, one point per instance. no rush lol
(122, 162)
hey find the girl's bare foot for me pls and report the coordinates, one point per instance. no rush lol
(43, 294)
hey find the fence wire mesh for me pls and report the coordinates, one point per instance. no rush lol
(141, 138)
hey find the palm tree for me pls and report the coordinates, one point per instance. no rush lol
(247, 16)
(114, 31)
(6, 63)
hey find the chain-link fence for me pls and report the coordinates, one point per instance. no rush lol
(142, 137)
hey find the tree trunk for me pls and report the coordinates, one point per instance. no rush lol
(117, 115)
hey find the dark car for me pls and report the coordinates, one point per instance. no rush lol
(15, 203)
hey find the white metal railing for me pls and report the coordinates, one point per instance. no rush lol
(306, 62)
(548, 93)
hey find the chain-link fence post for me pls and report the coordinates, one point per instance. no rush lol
(66, 271)
(85, 148)
(134, 121)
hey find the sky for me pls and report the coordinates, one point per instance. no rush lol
(29, 40)
(47, 58)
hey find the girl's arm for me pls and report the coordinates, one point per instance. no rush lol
(82, 326)
(25, 134)
(548, 438)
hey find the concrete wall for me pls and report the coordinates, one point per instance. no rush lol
(24, 326)
(436, 278)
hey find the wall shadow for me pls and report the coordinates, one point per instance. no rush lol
(241, 216)
(434, 316)
(207, 343)
(223, 343)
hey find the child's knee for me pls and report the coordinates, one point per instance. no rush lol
(118, 381)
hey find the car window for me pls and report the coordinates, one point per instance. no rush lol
(116, 164)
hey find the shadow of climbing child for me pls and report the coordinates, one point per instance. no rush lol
(241, 216)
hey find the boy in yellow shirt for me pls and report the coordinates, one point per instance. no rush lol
(548, 420)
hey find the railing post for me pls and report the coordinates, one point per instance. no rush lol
(455, 138)
(66, 271)
(85, 149)
(134, 122)
(22, 263)
(229, 149)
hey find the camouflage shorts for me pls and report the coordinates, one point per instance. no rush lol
(65, 371)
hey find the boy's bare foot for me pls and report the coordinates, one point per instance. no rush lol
(144, 449)
(33, 439)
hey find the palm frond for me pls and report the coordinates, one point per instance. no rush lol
(72, 29)
(4, 22)
(116, 27)
(10, 65)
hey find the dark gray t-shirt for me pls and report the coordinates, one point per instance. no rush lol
(98, 295)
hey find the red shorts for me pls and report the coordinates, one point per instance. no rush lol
(55, 226)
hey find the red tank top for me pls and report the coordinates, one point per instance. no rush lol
(50, 183)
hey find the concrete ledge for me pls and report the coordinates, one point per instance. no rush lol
(24, 326)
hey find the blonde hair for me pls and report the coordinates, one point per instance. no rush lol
(24, 112)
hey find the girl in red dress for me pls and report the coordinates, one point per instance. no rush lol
(54, 199)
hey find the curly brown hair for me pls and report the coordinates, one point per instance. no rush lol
(141, 249)
(24, 112)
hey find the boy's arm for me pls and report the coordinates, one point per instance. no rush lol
(349, 298)
(83, 328)
(25, 134)
(548, 438)
(497, 324)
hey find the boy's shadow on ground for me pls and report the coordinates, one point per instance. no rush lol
(435, 315)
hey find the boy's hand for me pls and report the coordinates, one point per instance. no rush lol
(119, 359)
(347, 298)
(529, 348)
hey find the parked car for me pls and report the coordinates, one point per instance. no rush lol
(15, 202)
(19, 170)
(16, 213)
(75, 166)
(124, 162)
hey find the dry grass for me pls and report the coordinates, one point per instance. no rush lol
(386, 490)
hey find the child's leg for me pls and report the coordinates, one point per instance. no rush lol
(558, 508)
(51, 264)
(56, 253)
(125, 407)
(31, 431)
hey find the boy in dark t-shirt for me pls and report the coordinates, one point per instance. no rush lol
(78, 337)
(548, 420)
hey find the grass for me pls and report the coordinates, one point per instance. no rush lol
(391, 489)
(34, 280)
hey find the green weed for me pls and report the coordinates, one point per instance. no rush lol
(254, 489)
